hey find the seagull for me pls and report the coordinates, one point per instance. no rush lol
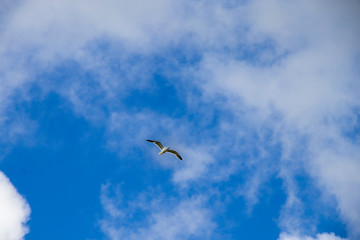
(165, 149)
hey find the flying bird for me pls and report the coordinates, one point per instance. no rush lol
(165, 149)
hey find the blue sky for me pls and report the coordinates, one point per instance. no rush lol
(261, 99)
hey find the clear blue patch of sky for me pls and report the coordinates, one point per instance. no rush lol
(162, 98)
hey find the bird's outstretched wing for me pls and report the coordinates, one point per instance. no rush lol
(175, 153)
(157, 143)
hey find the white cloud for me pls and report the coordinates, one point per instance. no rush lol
(313, 87)
(320, 236)
(157, 217)
(57, 30)
(305, 73)
(196, 166)
(15, 211)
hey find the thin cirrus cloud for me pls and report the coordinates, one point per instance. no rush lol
(322, 236)
(296, 90)
(163, 218)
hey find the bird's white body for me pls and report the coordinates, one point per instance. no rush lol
(164, 150)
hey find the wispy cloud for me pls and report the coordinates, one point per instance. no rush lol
(153, 216)
(313, 88)
(321, 236)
